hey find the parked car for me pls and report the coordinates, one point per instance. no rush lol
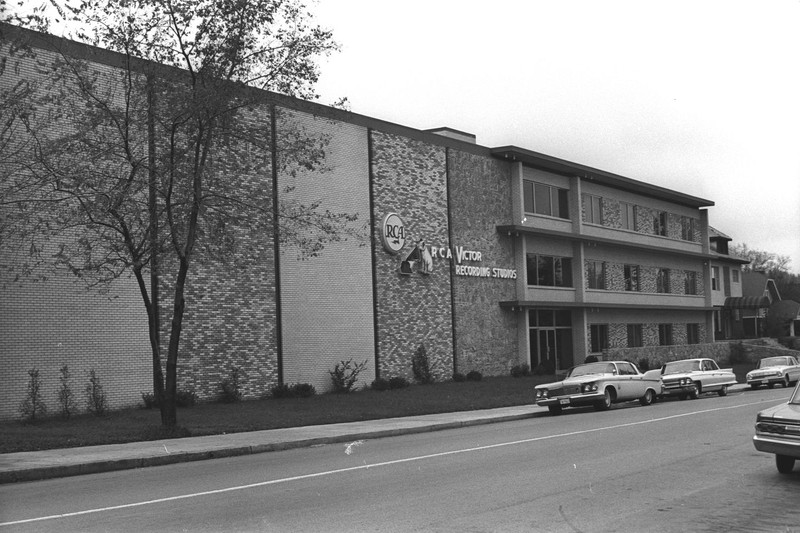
(778, 432)
(599, 384)
(689, 378)
(773, 370)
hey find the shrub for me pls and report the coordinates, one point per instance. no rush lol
(590, 359)
(185, 398)
(229, 387)
(96, 402)
(643, 364)
(33, 407)
(345, 374)
(66, 398)
(149, 400)
(421, 366)
(398, 382)
(380, 384)
(303, 390)
(298, 390)
(474, 375)
(459, 377)
(519, 371)
(546, 368)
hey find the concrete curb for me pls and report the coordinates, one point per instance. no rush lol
(12, 475)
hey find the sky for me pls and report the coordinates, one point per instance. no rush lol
(699, 96)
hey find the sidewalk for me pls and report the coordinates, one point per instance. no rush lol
(30, 466)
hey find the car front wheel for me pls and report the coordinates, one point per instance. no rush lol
(786, 382)
(605, 403)
(723, 391)
(754, 386)
(695, 393)
(784, 463)
(554, 409)
(648, 397)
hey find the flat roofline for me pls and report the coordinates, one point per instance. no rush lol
(570, 169)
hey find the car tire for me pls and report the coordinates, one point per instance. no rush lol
(754, 386)
(648, 398)
(784, 463)
(605, 403)
(554, 409)
(770, 385)
(695, 393)
(786, 382)
(723, 391)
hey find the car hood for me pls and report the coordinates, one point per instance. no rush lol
(784, 412)
(579, 380)
(780, 368)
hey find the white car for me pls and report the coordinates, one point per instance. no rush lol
(599, 384)
(689, 378)
(772, 370)
(778, 432)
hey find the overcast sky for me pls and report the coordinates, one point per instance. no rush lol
(700, 96)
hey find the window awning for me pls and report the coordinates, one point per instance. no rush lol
(746, 302)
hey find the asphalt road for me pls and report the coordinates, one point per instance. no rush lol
(673, 466)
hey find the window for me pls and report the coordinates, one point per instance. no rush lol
(735, 274)
(628, 216)
(631, 273)
(692, 333)
(635, 336)
(714, 278)
(544, 199)
(660, 223)
(626, 369)
(665, 334)
(690, 282)
(662, 281)
(549, 271)
(593, 208)
(598, 334)
(596, 271)
(687, 228)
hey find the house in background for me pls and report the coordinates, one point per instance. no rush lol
(727, 296)
(769, 314)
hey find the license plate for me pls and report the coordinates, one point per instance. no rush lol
(564, 401)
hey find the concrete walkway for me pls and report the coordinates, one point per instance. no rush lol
(30, 466)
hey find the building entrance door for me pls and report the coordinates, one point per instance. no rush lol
(550, 340)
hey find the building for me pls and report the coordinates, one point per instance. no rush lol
(490, 258)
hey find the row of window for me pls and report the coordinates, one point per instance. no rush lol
(553, 271)
(549, 200)
(598, 335)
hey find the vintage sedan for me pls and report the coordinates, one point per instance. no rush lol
(773, 370)
(689, 378)
(600, 385)
(778, 432)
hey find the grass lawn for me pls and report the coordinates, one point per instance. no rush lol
(213, 418)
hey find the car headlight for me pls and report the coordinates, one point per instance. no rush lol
(589, 387)
(541, 393)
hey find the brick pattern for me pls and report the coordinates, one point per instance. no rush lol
(409, 178)
(230, 317)
(615, 278)
(480, 199)
(645, 219)
(326, 301)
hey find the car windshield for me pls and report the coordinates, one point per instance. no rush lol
(591, 368)
(679, 367)
(773, 361)
(796, 395)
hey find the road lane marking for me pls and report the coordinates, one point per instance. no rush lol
(365, 467)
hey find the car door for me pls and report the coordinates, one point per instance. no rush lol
(631, 380)
(711, 372)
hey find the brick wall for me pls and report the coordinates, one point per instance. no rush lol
(409, 178)
(480, 199)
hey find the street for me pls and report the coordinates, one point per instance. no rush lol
(673, 466)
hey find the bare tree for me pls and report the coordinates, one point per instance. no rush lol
(139, 168)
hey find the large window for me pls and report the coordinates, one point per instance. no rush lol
(665, 334)
(687, 228)
(631, 273)
(549, 271)
(662, 280)
(628, 216)
(660, 223)
(598, 334)
(690, 282)
(544, 199)
(635, 336)
(714, 278)
(593, 209)
(693, 333)
(596, 273)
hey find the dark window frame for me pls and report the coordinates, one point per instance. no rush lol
(557, 199)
